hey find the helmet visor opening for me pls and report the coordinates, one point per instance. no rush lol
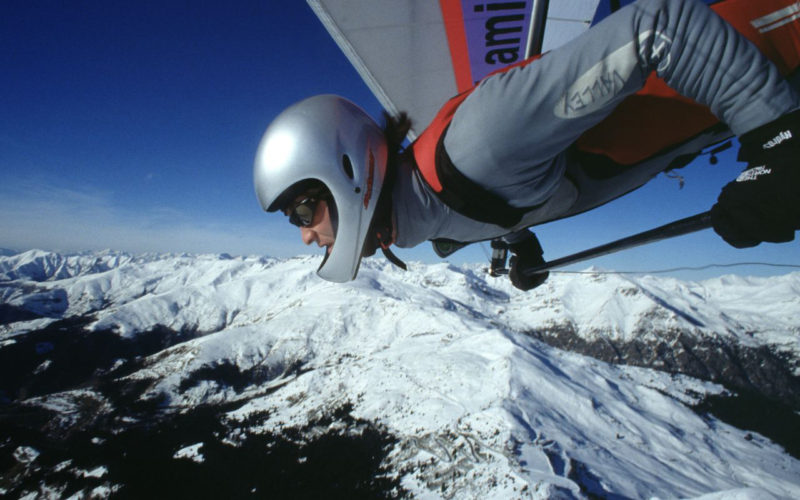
(308, 188)
(301, 201)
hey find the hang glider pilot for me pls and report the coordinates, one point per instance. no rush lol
(347, 184)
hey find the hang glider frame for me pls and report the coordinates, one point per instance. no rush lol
(536, 31)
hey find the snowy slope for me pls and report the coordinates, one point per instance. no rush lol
(442, 358)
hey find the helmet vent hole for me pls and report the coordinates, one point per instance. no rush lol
(347, 165)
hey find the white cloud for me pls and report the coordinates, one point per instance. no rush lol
(59, 218)
(52, 217)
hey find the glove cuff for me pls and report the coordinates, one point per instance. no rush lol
(528, 247)
(780, 134)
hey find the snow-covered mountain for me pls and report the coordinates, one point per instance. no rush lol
(131, 375)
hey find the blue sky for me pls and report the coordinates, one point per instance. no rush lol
(133, 126)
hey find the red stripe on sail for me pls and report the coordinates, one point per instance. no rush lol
(453, 17)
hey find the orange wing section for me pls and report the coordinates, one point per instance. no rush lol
(657, 117)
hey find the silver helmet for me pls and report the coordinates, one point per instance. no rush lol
(328, 139)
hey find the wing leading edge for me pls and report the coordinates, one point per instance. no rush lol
(416, 54)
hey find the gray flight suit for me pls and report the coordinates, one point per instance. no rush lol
(512, 134)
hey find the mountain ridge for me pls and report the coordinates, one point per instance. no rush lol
(442, 359)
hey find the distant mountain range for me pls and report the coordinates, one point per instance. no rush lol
(131, 375)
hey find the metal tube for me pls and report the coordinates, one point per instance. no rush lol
(680, 227)
(536, 28)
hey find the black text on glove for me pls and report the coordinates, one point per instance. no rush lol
(763, 203)
(527, 255)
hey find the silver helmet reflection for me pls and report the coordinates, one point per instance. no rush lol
(329, 140)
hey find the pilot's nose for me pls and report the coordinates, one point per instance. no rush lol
(308, 236)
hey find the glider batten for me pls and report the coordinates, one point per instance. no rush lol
(352, 55)
(402, 52)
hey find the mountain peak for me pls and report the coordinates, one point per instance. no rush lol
(446, 360)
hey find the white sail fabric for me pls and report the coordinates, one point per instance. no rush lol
(416, 54)
(567, 19)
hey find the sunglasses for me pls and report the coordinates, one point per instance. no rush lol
(302, 213)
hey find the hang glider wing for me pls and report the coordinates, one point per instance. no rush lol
(416, 54)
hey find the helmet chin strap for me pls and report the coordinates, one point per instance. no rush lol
(381, 231)
(390, 256)
(394, 259)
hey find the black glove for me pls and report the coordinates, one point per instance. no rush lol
(763, 203)
(527, 255)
